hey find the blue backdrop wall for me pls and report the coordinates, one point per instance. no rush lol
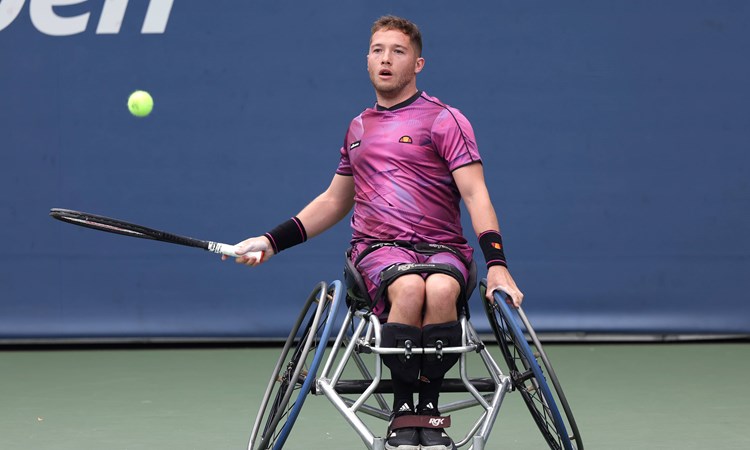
(615, 137)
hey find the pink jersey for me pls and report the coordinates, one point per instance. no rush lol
(402, 161)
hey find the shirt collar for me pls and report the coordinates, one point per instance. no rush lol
(406, 102)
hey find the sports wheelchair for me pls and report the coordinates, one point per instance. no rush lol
(358, 338)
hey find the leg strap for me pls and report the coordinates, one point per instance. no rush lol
(447, 334)
(358, 297)
(404, 367)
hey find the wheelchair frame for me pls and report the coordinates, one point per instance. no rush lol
(296, 372)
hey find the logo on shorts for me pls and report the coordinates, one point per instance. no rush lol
(354, 145)
(405, 140)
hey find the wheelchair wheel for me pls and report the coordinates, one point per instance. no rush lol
(528, 377)
(296, 368)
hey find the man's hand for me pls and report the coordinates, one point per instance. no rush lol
(498, 277)
(254, 244)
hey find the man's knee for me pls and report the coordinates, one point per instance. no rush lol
(442, 292)
(408, 287)
(441, 288)
(406, 295)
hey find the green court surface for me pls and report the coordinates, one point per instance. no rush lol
(635, 396)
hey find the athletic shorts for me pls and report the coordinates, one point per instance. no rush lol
(373, 264)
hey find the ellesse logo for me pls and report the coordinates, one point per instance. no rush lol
(405, 140)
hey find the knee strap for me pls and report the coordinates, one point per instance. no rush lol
(396, 335)
(447, 334)
(390, 273)
(358, 297)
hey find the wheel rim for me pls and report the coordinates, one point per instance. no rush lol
(295, 375)
(527, 376)
(290, 373)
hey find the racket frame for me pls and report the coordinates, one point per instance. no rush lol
(117, 226)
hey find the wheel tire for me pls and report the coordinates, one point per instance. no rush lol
(294, 372)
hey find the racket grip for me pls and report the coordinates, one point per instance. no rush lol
(231, 250)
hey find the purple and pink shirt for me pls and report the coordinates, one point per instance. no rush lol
(402, 159)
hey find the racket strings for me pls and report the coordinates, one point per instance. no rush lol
(102, 226)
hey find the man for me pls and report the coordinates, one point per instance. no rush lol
(405, 165)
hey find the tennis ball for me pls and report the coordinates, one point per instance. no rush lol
(140, 103)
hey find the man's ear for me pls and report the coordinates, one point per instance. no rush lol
(419, 65)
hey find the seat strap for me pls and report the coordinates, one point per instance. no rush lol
(424, 248)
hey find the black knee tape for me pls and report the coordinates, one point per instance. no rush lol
(403, 368)
(448, 335)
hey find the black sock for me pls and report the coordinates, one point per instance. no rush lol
(434, 368)
(404, 371)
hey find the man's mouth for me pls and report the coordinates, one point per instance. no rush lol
(385, 73)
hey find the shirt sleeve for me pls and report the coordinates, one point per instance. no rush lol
(345, 167)
(351, 140)
(454, 139)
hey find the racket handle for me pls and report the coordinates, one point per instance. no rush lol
(231, 250)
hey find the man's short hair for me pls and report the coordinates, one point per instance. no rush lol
(405, 26)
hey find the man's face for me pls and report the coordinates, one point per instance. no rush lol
(393, 63)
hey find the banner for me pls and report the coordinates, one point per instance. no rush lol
(613, 136)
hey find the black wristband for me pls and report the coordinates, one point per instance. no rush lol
(287, 234)
(491, 244)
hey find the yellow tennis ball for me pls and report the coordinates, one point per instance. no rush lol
(140, 103)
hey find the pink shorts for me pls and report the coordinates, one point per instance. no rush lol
(373, 264)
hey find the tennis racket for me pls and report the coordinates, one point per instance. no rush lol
(116, 226)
